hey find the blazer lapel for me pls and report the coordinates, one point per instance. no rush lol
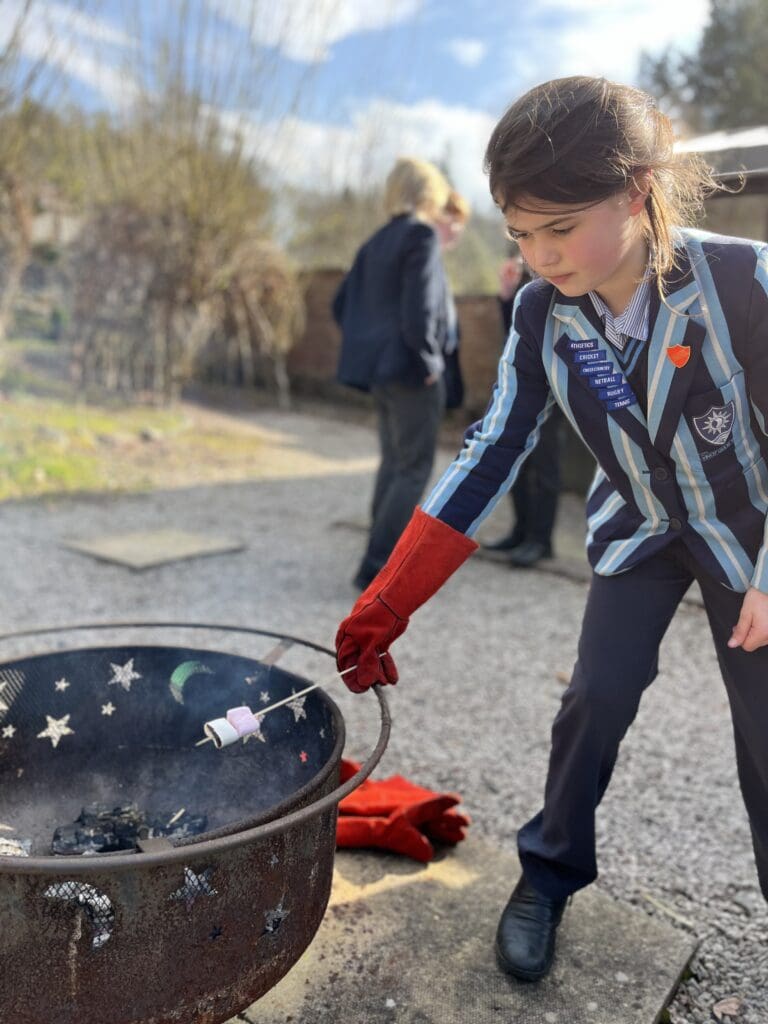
(581, 323)
(677, 333)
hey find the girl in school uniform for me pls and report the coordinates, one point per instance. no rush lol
(652, 338)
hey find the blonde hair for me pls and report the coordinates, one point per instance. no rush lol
(457, 207)
(415, 186)
(581, 140)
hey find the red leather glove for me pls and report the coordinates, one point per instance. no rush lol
(383, 796)
(449, 828)
(398, 832)
(388, 809)
(395, 834)
(426, 555)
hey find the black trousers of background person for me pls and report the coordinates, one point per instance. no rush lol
(409, 423)
(625, 619)
(535, 492)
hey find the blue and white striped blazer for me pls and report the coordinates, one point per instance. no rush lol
(694, 467)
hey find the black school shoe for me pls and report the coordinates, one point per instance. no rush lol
(505, 543)
(527, 554)
(525, 940)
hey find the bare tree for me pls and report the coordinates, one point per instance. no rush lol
(178, 192)
(27, 69)
(721, 84)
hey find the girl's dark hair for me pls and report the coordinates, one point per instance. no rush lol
(581, 140)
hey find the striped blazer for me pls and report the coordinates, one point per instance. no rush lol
(693, 467)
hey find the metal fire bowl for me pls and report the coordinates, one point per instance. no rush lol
(183, 931)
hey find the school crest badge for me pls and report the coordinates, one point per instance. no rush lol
(716, 424)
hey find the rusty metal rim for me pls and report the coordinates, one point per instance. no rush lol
(105, 863)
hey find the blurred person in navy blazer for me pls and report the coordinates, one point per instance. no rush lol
(391, 308)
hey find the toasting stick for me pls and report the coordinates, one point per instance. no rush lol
(240, 723)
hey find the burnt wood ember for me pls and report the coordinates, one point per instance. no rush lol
(100, 829)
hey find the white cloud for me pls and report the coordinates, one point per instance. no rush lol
(117, 88)
(330, 157)
(305, 30)
(69, 22)
(48, 21)
(469, 52)
(590, 37)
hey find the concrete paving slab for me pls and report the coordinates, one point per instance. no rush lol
(413, 944)
(145, 549)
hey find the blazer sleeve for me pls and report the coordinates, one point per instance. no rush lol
(337, 306)
(756, 367)
(497, 446)
(422, 297)
(505, 309)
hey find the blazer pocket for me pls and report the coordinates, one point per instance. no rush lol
(719, 423)
(698, 405)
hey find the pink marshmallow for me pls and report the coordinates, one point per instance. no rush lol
(244, 721)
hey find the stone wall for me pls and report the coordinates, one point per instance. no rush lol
(312, 360)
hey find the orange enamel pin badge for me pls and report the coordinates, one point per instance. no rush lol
(679, 354)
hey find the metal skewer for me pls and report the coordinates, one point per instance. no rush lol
(287, 700)
(265, 711)
(213, 737)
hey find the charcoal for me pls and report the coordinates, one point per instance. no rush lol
(101, 829)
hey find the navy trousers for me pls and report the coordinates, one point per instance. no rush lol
(409, 426)
(536, 491)
(625, 619)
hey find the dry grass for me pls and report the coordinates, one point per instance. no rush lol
(51, 441)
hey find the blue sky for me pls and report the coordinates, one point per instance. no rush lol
(379, 77)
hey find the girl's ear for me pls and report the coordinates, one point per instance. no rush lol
(639, 191)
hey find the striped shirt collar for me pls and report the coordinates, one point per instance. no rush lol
(632, 322)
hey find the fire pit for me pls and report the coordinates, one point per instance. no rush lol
(190, 879)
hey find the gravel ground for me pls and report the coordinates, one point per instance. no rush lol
(477, 694)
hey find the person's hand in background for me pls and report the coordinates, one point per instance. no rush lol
(510, 276)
